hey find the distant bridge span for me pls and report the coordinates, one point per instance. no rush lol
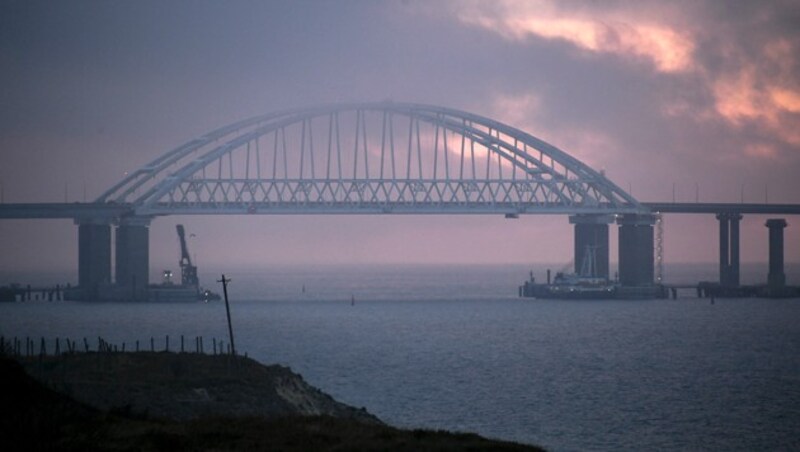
(377, 158)
(78, 211)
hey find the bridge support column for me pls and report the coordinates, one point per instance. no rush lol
(636, 254)
(591, 241)
(729, 248)
(132, 258)
(776, 278)
(94, 256)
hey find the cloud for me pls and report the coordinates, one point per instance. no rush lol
(785, 99)
(666, 48)
(762, 92)
(526, 112)
(761, 151)
(735, 65)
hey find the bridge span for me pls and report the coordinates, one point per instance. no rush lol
(717, 208)
(77, 211)
(376, 158)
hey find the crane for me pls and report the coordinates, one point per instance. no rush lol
(188, 270)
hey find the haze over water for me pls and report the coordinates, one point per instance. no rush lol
(452, 347)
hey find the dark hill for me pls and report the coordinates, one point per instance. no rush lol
(182, 386)
(244, 406)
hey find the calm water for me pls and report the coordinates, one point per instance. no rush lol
(451, 347)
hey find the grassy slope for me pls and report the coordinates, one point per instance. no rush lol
(33, 417)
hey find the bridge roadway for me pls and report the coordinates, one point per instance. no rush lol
(718, 207)
(63, 210)
(77, 211)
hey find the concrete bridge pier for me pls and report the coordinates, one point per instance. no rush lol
(776, 278)
(636, 252)
(729, 268)
(94, 256)
(591, 234)
(133, 257)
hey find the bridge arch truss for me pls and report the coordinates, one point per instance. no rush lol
(368, 158)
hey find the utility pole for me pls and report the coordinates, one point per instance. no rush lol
(228, 311)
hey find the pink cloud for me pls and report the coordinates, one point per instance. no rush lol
(748, 88)
(664, 46)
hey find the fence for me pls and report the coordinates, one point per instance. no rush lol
(16, 347)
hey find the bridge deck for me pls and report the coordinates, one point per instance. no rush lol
(96, 210)
(717, 207)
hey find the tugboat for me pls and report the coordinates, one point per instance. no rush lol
(583, 285)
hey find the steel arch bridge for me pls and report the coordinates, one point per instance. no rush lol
(368, 158)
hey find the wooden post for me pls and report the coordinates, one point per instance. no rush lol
(228, 312)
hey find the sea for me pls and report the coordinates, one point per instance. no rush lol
(453, 347)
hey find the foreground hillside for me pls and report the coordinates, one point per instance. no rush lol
(164, 401)
(182, 386)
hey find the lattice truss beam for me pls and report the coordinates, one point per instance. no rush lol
(368, 158)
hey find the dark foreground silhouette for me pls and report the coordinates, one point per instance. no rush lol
(298, 417)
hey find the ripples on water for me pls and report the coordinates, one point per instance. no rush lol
(451, 347)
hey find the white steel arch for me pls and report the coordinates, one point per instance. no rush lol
(369, 158)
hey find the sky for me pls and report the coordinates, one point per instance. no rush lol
(685, 99)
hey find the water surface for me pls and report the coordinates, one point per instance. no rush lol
(453, 348)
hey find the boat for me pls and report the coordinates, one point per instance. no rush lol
(189, 289)
(585, 284)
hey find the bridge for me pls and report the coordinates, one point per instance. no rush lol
(374, 158)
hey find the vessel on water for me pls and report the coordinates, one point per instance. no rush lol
(570, 286)
(586, 284)
(189, 289)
